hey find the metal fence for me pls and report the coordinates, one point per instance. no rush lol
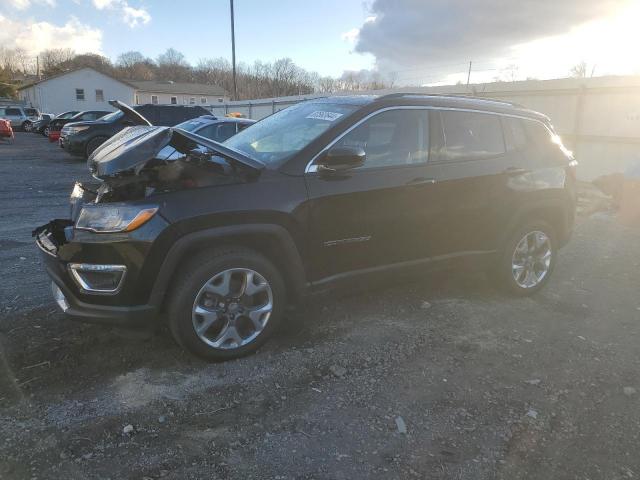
(598, 118)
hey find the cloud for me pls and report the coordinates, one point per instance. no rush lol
(34, 37)
(131, 16)
(352, 35)
(24, 4)
(413, 33)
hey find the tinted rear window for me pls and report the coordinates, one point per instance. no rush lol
(469, 135)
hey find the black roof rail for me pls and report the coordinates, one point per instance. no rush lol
(446, 95)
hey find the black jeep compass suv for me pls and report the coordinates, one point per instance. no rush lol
(220, 238)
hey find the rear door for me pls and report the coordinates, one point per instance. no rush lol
(469, 148)
(378, 214)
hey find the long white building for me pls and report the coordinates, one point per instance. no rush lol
(89, 89)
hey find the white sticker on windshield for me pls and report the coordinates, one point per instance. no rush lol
(328, 116)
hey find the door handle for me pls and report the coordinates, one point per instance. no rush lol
(515, 171)
(416, 182)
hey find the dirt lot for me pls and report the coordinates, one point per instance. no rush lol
(442, 379)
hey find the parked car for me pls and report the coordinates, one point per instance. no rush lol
(56, 125)
(20, 117)
(83, 138)
(6, 132)
(42, 125)
(327, 193)
(211, 127)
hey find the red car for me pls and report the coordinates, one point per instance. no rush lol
(5, 129)
(54, 135)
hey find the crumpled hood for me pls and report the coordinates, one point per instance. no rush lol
(132, 148)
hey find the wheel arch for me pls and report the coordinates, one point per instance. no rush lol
(270, 240)
(556, 214)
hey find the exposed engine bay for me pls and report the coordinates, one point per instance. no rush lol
(142, 160)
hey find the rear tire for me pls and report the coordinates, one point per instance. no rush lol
(45, 132)
(93, 144)
(226, 303)
(527, 259)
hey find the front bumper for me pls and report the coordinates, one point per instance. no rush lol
(71, 144)
(70, 298)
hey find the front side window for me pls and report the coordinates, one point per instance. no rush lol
(395, 137)
(288, 131)
(31, 112)
(154, 99)
(99, 95)
(14, 112)
(80, 94)
(470, 135)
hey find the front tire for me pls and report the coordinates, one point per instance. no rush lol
(26, 126)
(226, 303)
(46, 131)
(527, 259)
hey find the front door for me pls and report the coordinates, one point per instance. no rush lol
(377, 214)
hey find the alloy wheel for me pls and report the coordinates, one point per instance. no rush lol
(531, 259)
(232, 308)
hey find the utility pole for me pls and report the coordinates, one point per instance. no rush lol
(468, 74)
(233, 53)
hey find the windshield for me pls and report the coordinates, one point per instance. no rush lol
(113, 116)
(288, 131)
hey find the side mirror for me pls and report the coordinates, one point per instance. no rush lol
(341, 158)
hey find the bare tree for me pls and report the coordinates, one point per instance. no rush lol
(133, 65)
(579, 70)
(52, 60)
(172, 65)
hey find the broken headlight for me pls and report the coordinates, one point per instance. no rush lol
(112, 219)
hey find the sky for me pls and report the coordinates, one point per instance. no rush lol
(415, 42)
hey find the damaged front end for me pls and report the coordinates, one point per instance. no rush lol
(101, 247)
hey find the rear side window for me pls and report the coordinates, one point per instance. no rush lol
(515, 134)
(470, 136)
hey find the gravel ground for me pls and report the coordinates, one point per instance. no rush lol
(445, 378)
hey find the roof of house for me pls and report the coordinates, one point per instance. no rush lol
(62, 74)
(164, 86)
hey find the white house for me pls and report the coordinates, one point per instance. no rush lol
(89, 89)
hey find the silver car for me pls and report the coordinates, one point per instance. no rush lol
(20, 117)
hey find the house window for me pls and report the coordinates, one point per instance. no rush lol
(203, 100)
(137, 99)
(154, 99)
(80, 94)
(192, 101)
(99, 96)
(220, 100)
(174, 100)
